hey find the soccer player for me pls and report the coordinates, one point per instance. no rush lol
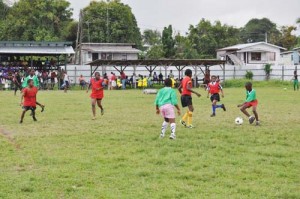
(185, 89)
(97, 93)
(251, 101)
(296, 83)
(165, 101)
(36, 84)
(213, 88)
(29, 96)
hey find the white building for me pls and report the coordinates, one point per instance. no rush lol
(107, 51)
(251, 54)
(290, 57)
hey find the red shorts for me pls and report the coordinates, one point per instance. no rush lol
(252, 103)
(98, 95)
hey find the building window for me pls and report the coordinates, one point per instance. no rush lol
(95, 56)
(124, 57)
(255, 56)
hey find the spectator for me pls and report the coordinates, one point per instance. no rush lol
(82, 82)
(123, 80)
(52, 77)
(160, 78)
(155, 78)
(171, 74)
(113, 81)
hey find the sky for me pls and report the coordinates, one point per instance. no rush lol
(156, 14)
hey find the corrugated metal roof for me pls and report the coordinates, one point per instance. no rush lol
(51, 50)
(242, 46)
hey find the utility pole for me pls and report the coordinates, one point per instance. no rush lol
(79, 39)
(107, 23)
(266, 37)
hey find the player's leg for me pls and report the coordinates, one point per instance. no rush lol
(100, 106)
(184, 103)
(173, 128)
(41, 105)
(213, 105)
(33, 114)
(190, 116)
(243, 109)
(164, 127)
(23, 114)
(93, 102)
(255, 114)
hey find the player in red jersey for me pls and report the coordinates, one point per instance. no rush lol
(29, 96)
(213, 88)
(97, 93)
(185, 89)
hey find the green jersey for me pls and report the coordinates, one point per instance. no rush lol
(35, 81)
(166, 95)
(250, 95)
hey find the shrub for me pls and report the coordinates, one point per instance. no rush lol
(249, 74)
(268, 70)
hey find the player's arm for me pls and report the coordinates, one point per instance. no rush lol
(208, 90)
(88, 88)
(222, 92)
(22, 96)
(189, 88)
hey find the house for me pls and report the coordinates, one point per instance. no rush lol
(251, 53)
(89, 52)
(289, 58)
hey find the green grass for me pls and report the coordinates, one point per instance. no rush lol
(67, 155)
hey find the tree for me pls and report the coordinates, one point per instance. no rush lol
(168, 42)
(155, 52)
(37, 20)
(256, 30)
(184, 48)
(151, 37)
(4, 9)
(287, 39)
(207, 37)
(110, 22)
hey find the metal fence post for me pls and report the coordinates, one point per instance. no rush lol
(282, 73)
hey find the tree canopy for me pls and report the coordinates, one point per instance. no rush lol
(37, 20)
(110, 22)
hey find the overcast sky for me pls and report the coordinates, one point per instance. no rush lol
(155, 14)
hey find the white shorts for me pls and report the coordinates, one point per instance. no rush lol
(113, 83)
(167, 111)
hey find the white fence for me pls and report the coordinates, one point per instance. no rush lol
(284, 73)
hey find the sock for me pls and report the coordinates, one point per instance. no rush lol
(185, 116)
(164, 127)
(213, 109)
(173, 128)
(190, 118)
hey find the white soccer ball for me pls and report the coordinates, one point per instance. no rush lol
(239, 121)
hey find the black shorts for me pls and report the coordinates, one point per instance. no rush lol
(215, 96)
(186, 100)
(27, 108)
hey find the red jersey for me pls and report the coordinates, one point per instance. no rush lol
(30, 96)
(97, 88)
(185, 83)
(214, 87)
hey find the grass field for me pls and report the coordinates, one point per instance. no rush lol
(67, 155)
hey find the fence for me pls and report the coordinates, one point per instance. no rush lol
(284, 73)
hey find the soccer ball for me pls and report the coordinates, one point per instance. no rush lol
(239, 121)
